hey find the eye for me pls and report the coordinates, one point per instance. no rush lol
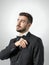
(17, 19)
(23, 21)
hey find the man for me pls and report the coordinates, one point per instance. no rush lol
(26, 48)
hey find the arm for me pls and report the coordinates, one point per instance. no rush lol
(38, 56)
(5, 54)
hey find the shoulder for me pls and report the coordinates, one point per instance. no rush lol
(35, 40)
(34, 37)
(12, 41)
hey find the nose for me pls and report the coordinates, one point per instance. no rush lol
(19, 22)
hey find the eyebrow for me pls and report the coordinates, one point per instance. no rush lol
(20, 19)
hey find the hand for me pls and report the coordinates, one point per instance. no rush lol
(22, 43)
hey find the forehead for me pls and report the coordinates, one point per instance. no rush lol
(22, 17)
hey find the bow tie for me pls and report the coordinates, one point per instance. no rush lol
(18, 37)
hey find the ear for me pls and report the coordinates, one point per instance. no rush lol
(29, 24)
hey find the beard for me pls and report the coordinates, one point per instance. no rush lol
(22, 30)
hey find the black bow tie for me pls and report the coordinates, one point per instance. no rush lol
(18, 37)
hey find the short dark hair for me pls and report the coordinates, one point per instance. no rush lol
(29, 16)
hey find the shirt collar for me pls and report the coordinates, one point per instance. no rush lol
(23, 34)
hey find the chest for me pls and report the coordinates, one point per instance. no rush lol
(23, 55)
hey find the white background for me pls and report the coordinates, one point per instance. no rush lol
(9, 10)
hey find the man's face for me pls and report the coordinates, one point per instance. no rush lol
(22, 24)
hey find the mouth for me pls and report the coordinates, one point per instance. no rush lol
(18, 26)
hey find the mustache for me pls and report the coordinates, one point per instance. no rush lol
(18, 25)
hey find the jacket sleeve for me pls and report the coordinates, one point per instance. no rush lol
(38, 56)
(5, 53)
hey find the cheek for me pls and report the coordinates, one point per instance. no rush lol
(24, 25)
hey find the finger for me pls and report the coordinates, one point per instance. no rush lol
(26, 42)
(21, 39)
(22, 43)
(23, 46)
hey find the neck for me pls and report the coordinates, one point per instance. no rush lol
(21, 33)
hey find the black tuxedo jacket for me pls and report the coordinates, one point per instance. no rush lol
(33, 54)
